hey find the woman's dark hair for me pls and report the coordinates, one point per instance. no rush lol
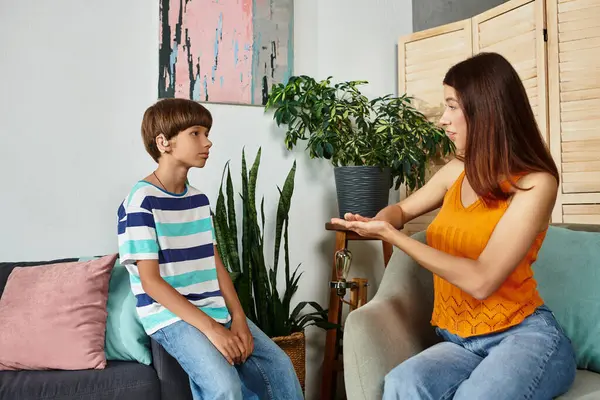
(503, 138)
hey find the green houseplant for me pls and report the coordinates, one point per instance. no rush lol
(254, 277)
(373, 144)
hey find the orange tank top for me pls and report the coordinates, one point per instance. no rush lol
(464, 232)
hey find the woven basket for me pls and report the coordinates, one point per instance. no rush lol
(294, 346)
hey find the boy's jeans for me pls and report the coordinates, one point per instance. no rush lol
(532, 360)
(267, 374)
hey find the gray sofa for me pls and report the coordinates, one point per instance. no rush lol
(395, 324)
(120, 380)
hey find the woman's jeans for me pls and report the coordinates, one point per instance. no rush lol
(267, 374)
(532, 360)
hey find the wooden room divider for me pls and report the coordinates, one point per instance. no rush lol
(555, 47)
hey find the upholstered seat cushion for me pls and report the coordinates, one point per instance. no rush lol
(586, 387)
(118, 381)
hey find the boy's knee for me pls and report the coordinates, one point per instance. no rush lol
(226, 389)
(283, 361)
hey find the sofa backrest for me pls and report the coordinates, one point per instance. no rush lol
(568, 275)
(7, 267)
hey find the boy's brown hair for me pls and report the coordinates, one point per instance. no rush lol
(169, 117)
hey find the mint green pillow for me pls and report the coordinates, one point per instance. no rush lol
(126, 339)
(568, 276)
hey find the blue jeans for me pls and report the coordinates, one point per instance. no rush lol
(532, 360)
(267, 374)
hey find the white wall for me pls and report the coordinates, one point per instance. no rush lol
(77, 77)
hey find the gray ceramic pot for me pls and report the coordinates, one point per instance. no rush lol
(362, 190)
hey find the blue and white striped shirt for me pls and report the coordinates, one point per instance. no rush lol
(176, 230)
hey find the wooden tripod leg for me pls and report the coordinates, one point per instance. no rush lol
(329, 371)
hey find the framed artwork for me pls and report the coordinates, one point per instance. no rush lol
(224, 51)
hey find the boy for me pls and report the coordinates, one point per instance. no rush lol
(185, 298)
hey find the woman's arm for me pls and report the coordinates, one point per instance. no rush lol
(528, 214)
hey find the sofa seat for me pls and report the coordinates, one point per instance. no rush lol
(118, 381)
(586, 387)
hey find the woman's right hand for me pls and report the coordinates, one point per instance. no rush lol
(228, 344)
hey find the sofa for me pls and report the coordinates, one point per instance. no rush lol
(395, 324)
(119, 380)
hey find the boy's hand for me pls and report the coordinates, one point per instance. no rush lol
(239, 327)
(227, 343)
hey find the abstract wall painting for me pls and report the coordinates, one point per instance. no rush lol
(224, 51)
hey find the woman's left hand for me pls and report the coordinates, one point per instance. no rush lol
(372, 228)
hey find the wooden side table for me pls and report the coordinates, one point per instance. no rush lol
(331, 362)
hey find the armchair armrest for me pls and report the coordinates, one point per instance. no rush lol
(174, 381)
(390, 328)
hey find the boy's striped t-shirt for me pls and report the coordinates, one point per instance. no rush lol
(176, 230)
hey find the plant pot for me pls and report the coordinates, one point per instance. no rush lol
(294, 346)
(362, 190)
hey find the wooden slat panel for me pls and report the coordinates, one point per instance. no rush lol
(581, 177)
(581, 187)
(577, 85)
(583, 166)
(577, 15)
(580, 156)
(588, 124)
(581, 57)
(579, 115)
(576, 135)
(516, 48)
(574, 209)
(582, 219)
(576, 5)
(587, 33)
(434, 64)
(589, 94)
(580, 198)
(584, 23)
(585, 44)
(583, 145)
(508, 25)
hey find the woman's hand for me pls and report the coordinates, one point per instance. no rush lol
(239, 327)
(364, 226)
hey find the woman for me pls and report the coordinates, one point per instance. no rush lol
(499, 339)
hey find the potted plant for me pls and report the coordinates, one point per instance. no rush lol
(254, 277)
(373, 144)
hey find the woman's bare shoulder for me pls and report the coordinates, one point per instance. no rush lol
(538, 179)
(450, 172)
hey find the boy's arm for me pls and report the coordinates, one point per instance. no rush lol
(228, 290)
(239, 326)
(156, 287)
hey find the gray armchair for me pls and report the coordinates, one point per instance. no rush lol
(395, 325)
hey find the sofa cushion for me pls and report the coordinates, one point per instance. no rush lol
(54, 316)
(7, 267)
(126, 339)
(568, 275)
(118, 381)
(585, 387)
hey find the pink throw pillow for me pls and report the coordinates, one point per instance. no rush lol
(54, 316)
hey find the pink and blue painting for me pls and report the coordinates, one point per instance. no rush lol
(224, 51)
